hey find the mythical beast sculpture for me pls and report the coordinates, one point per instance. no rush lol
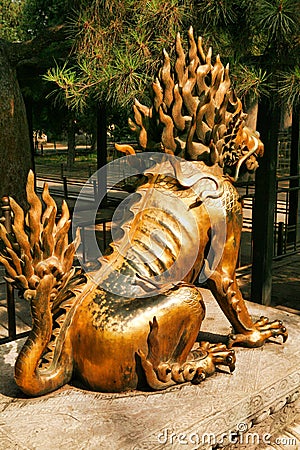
(114, 340)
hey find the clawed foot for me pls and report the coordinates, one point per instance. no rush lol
(262, 330)
(209, 356)
(200, 364)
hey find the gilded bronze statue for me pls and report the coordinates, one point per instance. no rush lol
(100, 331)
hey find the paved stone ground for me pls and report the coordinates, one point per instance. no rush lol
(285, 284)
(260, 393)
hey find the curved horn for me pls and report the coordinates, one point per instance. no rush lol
(243, 159)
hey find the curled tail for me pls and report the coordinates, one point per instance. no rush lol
(39, 262)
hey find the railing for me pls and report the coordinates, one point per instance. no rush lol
(7, 287)
(287, 217)
(286, 220)
(246, 191)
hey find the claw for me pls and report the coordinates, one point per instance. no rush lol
(151, 375)
(177, 373)
(262, 321)
(189, 372)
(231, 361)
(199, 377)
(262, 330)
(164, 372)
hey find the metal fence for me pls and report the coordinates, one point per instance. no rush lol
(286, 220)
(8, 313)
(287, 209)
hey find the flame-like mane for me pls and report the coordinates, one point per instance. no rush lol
(195, 113)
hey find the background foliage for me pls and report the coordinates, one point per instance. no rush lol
(112, 49)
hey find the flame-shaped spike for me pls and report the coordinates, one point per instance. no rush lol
(142, 108)
(143, 133)
(61, 240)
(125, 148)
(193, 56)
(35, 211)
(3, 236)
(22, 282)
(48, 233)
(190, 102)
(28, 269)
(15, 260)
(158, 95)
(132, 125)
(65, 216)
(37, 254)
(180, 62)
(9, 269)
(200, 50)
(201, 127)
(217, 82)
(18, 228)
(218, 66)
(201, 73)
(68, 257)
(209, 56)
(167, 80)
(167, 137)
(137, 116)
(195, 150)
(49, 202)
(223, 89)
(178, 118)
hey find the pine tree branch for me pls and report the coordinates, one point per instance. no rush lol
(31, 52)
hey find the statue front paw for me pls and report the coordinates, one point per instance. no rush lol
(262, 330)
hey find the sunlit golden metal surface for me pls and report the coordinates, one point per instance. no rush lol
(116, 342)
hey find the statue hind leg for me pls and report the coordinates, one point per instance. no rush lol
(183, 363)
(223, 285)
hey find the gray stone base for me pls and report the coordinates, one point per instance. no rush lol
(259, 400)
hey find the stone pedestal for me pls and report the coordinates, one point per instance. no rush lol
(255, 407)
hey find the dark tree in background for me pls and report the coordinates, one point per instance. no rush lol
(118, 47)
(15, 148)
(28, 44)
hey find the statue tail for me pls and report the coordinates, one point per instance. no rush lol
(39, 262)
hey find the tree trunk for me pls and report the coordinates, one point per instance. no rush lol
(15, 154)
(71, 142)
(264, 205)
(252, 111)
